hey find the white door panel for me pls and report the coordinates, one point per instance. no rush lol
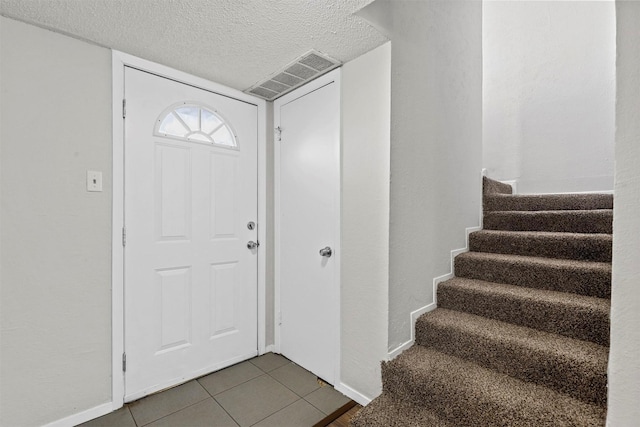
(309, 220)
(190, 280)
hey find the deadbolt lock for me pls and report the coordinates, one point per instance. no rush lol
(251, 225)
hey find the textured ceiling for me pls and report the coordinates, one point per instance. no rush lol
(234, 42)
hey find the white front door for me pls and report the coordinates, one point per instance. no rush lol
(190, 193)
(308, 221)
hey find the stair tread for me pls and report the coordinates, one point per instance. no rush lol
(539, 261)
(538, 202)
(577, 221)
(577, 316)
(460, 390)
(581, 246)
(581, 277)
(531, 295)
(573, 212)
(531, 338)
(550, 235)
(385, 411)
(568, 365)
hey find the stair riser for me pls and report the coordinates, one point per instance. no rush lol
(590, 282)
(587, 381)
(589, 248)
(567, 221)
(574, 322)
(552, 202)
(444, 395)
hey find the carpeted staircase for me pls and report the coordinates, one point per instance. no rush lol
(521, 333)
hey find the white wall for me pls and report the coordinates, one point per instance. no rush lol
(55, 303)
(436, 147)
(366, 103)
(549, 94)
(624, 368)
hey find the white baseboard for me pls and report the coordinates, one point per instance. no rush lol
(83, 417)
(414, 316)
(271, 348)
(353, 394)
(430, 307)
(468, 231)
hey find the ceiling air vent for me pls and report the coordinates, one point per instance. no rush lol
(304, 69)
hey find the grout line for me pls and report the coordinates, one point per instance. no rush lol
(222, 406)
(231, 388)
(299, 397)
(162, 392)
(172, 413)
(285, 386)
(281, 409)
(225, 410)
(255, 365)
(315, 405)
(267, 372)
(289, 388)
(236, 386)
(131, 413)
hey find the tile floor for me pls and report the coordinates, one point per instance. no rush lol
(266, 391)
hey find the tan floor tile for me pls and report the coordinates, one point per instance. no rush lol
(300, 413)
(203, 414)
(327, 399)
(162, 404)
(269, 361)
(229, 377)
(121, 418)
(255, 400)
(296, 378)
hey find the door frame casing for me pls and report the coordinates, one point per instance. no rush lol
(332, 76)
(121, 60)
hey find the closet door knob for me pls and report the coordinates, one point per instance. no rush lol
(326, 252)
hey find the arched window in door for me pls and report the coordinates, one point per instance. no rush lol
(195, 123)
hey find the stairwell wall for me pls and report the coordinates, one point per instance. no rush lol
(624, 369)
(549, 94)
(436, 147)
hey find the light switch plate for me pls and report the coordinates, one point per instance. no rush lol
(94, 181)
